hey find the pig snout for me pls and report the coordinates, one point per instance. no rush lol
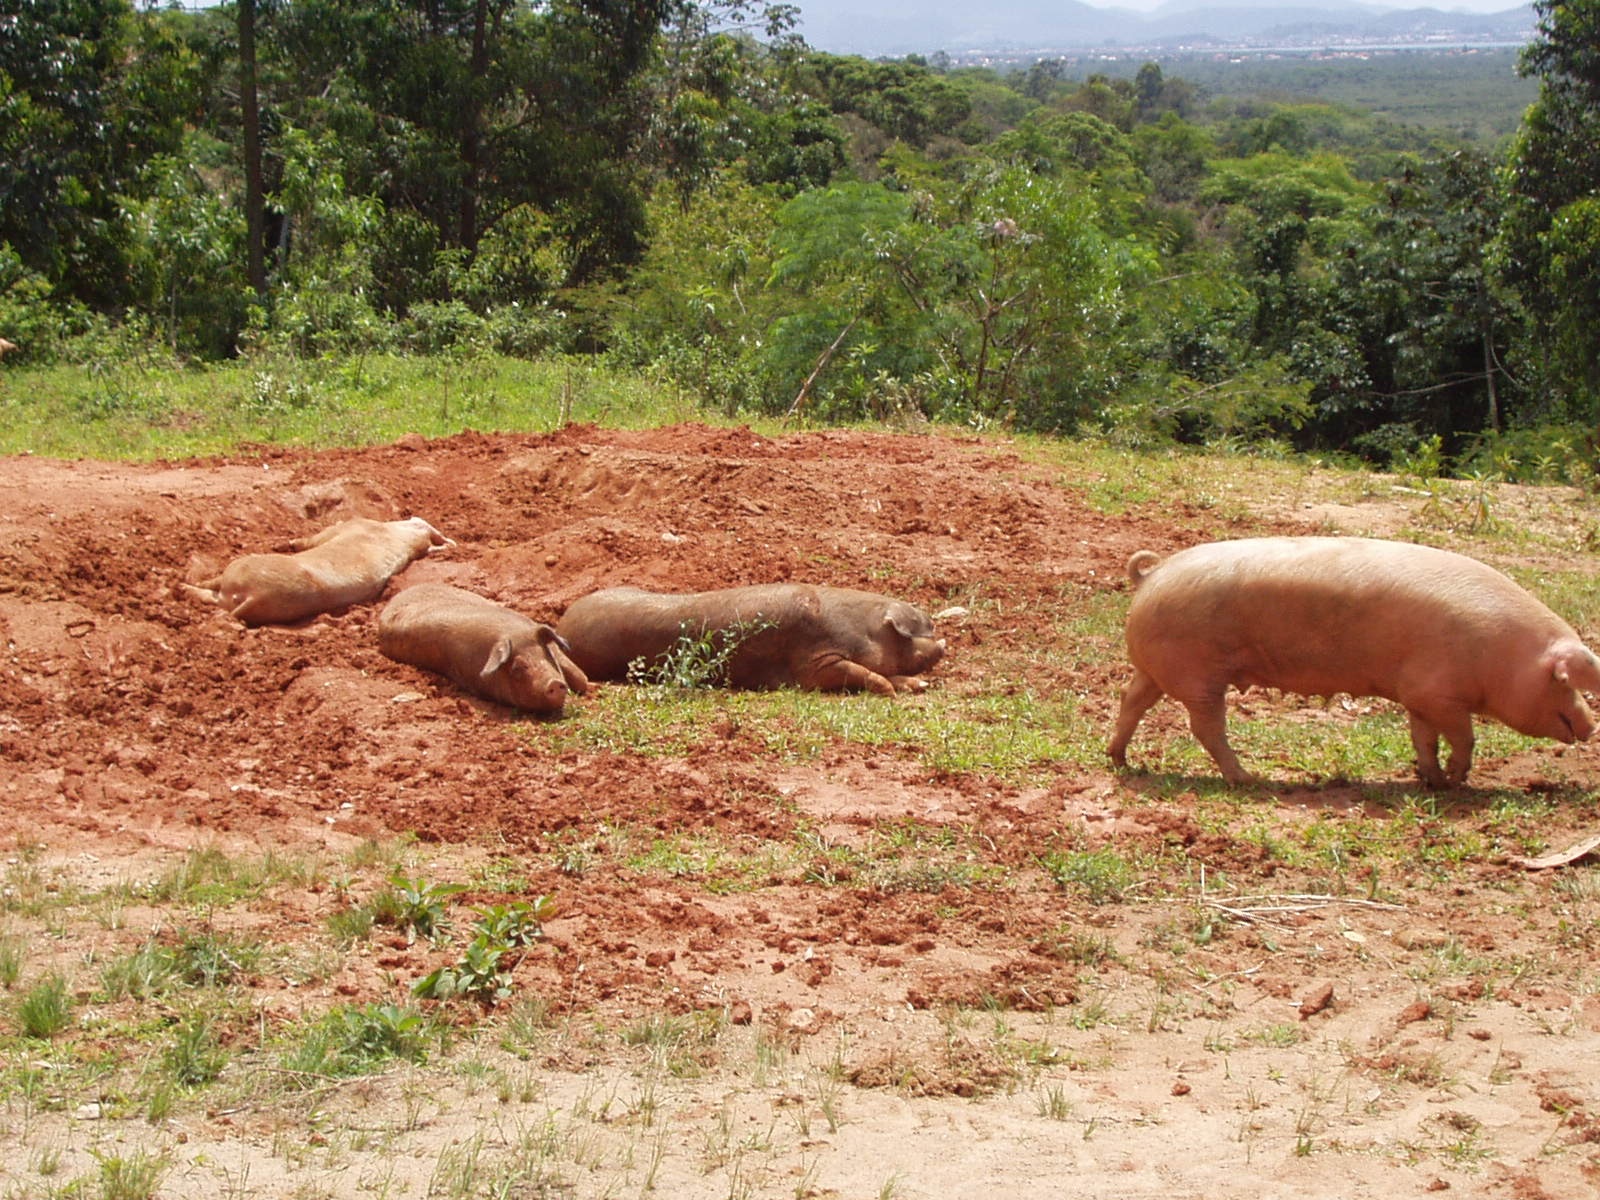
(541, 693)
(1577, 721)
(1547, 698)
(925, 654)
(530, 680)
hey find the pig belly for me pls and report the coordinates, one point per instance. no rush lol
(1305, 648)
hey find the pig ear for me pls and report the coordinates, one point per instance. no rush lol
(1577, 668)
(1580, 669)
(556, 647)
(902, 619)
(499, 655)
(549, 637)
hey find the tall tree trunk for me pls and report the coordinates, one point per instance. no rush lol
(471, 131)
(1486, 336)
(254, 210)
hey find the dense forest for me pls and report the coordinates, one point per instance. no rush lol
(688, 190)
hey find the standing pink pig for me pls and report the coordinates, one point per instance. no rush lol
(1439, 633)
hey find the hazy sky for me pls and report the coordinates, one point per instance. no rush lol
(834, 9)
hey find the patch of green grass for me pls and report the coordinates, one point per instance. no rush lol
(683, 1045)
(1116, 480)
(140, 411)
(357, 1040)
(195, 958)
(151, 970)
(916, 856)
(503, 874)
(1279, 1036)
(11, 957)
(27, 889)
(720, 867)
(45, 1009)
(622, 721)
(350, 925)
(1017, 737)
(134, 1176)
(1570, 593)
(194, 1056)
(1070, 943)
(1103, 876)
(207, 877)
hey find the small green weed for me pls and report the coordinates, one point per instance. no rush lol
(1080, 946)
(45, 1009)
(1053, 1103)
(194, 1056)
(696, 660)
(483, 971)
(415, 906)
(1103, 875)
(137, 1176)
(354, 1041)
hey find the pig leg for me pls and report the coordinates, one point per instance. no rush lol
(842, 675)
(908, 683)
(1208, 719)
(312, 541)
(206, 591)
(1137, 697)
(1426, 730)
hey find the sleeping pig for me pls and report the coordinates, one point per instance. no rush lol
(1439, 633)
(786, 635)
(348, 563)
(487, 649)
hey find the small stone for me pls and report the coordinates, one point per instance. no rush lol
(1317, 999)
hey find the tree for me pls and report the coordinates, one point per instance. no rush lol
(1545, 250)
(1412, 299)
(89, 92)
(463, 112)
(250, 114)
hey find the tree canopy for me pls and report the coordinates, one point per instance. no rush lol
(690, 189)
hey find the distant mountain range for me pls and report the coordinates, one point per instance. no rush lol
(899, 27)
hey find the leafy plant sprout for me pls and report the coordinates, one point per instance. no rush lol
(696, 660)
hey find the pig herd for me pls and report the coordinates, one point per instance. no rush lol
(1441, 634)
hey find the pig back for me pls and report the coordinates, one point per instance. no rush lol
(447, 629)
(610, 629)
(785, 631)
(1323, 615)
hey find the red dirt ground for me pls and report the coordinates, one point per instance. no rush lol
(135, 719)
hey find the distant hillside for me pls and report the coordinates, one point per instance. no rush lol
(898, 27)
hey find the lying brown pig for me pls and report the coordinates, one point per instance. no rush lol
(781, 634)
(1441, 634)
(347, 563)
(486, 649)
